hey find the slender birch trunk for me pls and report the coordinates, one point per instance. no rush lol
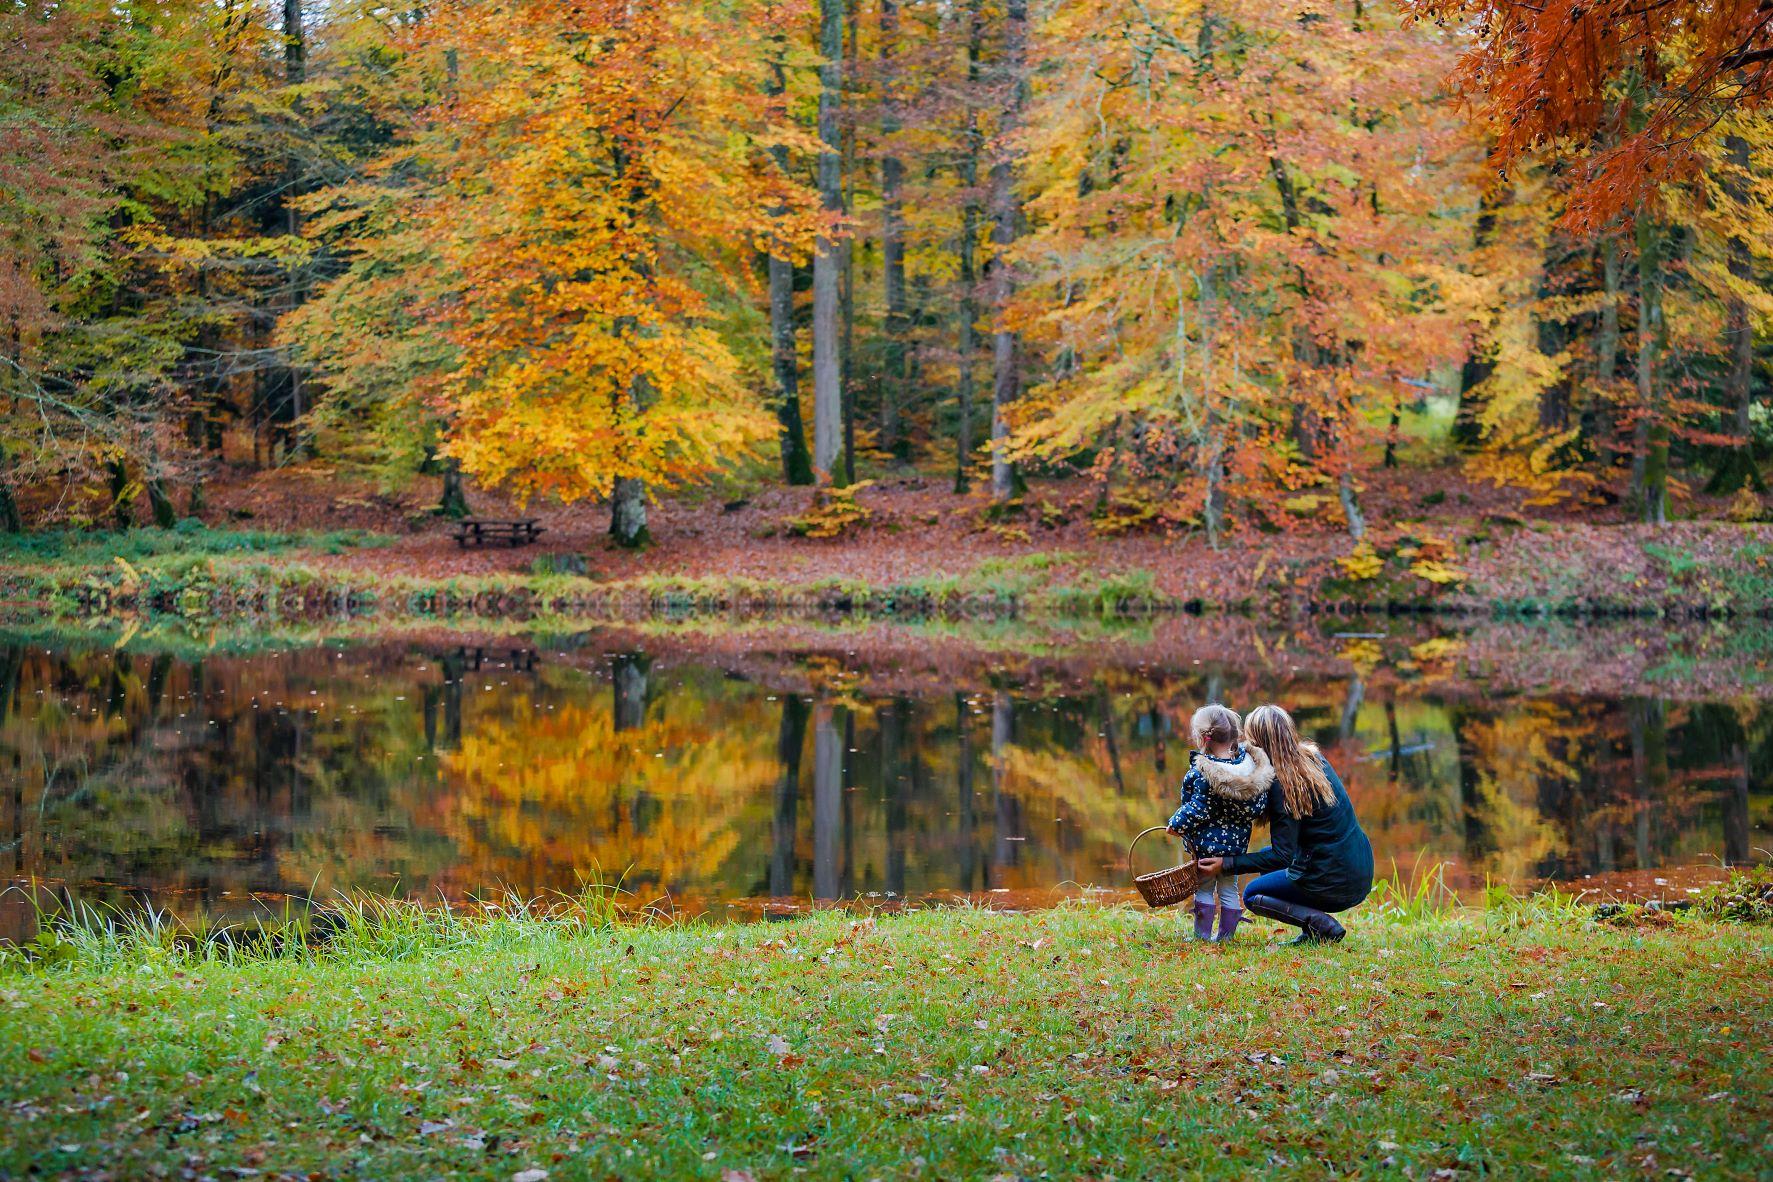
(827, 364)
(1006, 217)
(892, 242)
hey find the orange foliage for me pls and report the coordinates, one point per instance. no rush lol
(1634, 86)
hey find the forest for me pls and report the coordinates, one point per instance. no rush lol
(730, 589)
(1217, 265)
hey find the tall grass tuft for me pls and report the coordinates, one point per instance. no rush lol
(349, 925)
(1418, 897)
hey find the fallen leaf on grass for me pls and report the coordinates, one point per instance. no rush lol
(530, 1176)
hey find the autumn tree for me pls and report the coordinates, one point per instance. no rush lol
(600, 181)
(1239, 221)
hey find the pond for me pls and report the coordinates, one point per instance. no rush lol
(745, 778)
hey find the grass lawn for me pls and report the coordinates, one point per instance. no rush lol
(1079, 1042)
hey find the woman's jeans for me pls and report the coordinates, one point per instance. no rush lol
(1276, 885)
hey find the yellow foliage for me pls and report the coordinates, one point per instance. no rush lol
(566, 326)
(834, 512)
(1438, 573)
(1745, 506)
(1363, 563)
(1363, 653)
(1438, 648)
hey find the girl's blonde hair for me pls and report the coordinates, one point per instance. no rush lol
(1214, 725)
(1303, 784)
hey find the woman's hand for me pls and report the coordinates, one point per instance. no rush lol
(1209, 865)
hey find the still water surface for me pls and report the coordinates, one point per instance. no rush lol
(204, 784)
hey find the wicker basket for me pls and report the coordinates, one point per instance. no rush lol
(1165, 888)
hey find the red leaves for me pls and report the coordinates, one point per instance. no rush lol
(1628, 86)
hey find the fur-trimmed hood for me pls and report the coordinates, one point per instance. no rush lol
(1246, 780)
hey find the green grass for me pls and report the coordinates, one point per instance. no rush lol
(190, 539)
(1083, 1041)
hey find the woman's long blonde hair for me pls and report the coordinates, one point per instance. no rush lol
(1303, 784)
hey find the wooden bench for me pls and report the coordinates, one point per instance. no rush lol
(478, 531)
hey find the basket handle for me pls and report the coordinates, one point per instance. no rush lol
(1155, 829)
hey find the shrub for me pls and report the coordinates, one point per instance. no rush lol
(833, 513)
(1745, 897)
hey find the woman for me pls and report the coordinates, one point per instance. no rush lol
(1318, 858)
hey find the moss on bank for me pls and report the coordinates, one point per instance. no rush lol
(1082, 1041)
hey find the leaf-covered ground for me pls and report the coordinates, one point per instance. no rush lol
(1497, 548)
(1080, 1042)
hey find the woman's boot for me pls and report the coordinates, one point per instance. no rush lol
(1315, 927)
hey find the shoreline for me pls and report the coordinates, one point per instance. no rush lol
(302, 543)
(300, 587)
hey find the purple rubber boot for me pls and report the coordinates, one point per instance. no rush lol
(1203, 920)
(1229, 917)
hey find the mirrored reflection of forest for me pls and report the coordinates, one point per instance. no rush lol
(201, 783)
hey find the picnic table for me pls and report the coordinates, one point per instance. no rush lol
(478, 531)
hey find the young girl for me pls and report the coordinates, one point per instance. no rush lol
(1223, 793)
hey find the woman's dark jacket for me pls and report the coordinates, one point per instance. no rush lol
(1326, 854)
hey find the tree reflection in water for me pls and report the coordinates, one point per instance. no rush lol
(201, 783)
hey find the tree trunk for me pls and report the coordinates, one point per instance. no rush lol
(1480, 361)
(827, 365)
(1606, 350)
(1553, 337)
(846, 292)
(295, 44)
(295, 73)
(1649, 482)
(797, 463)
(1597, 416)
(970, 213)
(120, 495)
(1006, 216)
(1739, 469)
(892, 243)
(627, 513)
(1351, 505)
(453, 501)
(160, 505)
(1212, 440)
(627, 500)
